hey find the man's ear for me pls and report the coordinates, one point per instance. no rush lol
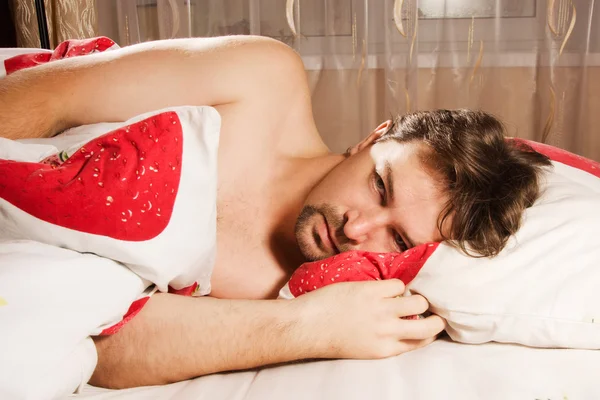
(373, 136)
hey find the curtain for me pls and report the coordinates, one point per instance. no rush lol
(67, 19)
(535, 64)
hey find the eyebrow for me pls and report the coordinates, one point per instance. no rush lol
(389, 177)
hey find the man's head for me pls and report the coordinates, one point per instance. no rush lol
(428, 176)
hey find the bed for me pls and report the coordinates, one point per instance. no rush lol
(443, 370)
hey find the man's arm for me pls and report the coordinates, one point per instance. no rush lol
(117, 85)
(176, 338)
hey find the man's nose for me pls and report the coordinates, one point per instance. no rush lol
(362, 225)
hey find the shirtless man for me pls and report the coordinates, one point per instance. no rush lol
(272, 163)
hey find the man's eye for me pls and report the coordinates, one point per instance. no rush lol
(380, 186)
(400, 242)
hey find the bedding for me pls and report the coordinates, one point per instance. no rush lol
(443, 370)
(13, 60)
(128, 208)
(541, 290)
(159, 170)
(155, 174)
(51, 300)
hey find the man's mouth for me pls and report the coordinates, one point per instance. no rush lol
(327, 236)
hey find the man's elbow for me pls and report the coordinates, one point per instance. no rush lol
(110, 372)
(119, 368)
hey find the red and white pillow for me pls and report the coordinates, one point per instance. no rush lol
(143, 194)
(91, 221)
(541, 291)
(146, 186)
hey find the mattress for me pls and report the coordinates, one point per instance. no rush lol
(443, 370)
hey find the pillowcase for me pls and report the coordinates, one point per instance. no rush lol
(540, 291)
(143, 194)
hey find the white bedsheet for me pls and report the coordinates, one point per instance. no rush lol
(443, 370)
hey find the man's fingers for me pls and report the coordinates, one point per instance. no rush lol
(420, 329)
(389, 287)
(409, 305)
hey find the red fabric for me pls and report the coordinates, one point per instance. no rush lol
(23, 61)
(134, 309)
(122, 185)
(564, 157)
(186, 291)
(66, 49)
(360, 266)
(137, 306)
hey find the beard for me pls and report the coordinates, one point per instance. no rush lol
(307, 237)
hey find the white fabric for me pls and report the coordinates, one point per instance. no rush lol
(443, 370)
(50, 301)
(542, 290)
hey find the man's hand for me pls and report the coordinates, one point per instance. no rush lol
(363, 320)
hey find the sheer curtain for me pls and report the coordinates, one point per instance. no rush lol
(533, 63)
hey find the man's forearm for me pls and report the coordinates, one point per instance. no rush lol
(176, 338)
(116, 85)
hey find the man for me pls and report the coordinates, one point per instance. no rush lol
(283, 198)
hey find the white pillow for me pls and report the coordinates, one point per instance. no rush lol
(542, 290)
(51, 300)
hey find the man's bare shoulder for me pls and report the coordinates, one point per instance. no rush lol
(252, 46)
(276, 105)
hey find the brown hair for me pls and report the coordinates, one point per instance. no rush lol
(489, 180)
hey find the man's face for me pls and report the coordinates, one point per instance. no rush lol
(380, 199)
